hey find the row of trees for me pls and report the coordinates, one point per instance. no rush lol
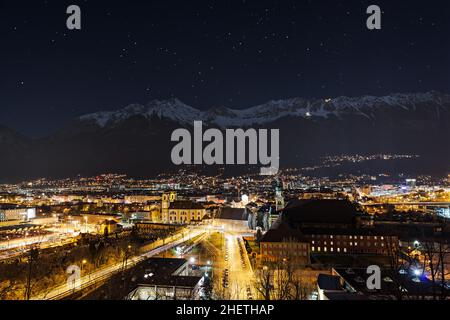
(40, 270)
(284, 279)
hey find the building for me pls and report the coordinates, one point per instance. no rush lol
(107, 227)
(411, 183)
(279, 198)
(357, 241)
(285, 243)
(140, 198)
(327, 284)
(394, 284)
(232, 219)
(175, 211)
(328, 227)
(167, 279)
(16, 213)
(149, 227)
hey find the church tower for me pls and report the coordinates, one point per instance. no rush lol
(167, 198)
(279, 198)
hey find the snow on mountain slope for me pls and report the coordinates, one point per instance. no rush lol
(365, 106)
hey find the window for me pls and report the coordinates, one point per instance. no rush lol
(345, 249)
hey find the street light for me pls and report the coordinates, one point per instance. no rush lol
(85, 224)
(83, 263)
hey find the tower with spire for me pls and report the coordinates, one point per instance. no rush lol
(279, 198)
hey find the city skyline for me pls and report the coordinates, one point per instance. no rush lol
(225, 156)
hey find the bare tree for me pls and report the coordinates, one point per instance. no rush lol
(32, 259)
(264, 282)
(397, 264)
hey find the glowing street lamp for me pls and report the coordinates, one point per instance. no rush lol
(83, 263)
(85, 223)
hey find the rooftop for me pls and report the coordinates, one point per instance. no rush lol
(185, 204)
(283, 233)
(229, 213)
(320, 211)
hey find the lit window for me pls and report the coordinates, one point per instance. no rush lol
(331, 249)
(345, 249)
(313, 249)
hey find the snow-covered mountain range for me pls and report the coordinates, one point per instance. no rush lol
(340, 107)
(136, 139)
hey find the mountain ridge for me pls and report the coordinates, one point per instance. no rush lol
(136, 140)
(270, 111)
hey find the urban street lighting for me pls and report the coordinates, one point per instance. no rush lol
(85, 224)
(83, 263)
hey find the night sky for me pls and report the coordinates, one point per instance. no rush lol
(210, 53)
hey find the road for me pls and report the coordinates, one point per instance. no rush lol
(231, 263)
(103, 274)
(17, 247)
(240, 274)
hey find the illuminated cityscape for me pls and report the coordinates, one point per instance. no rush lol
(220, 237)
(224, 158)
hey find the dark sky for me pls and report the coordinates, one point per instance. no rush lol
(210, 53)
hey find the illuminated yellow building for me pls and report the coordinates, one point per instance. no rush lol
(175, 211)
